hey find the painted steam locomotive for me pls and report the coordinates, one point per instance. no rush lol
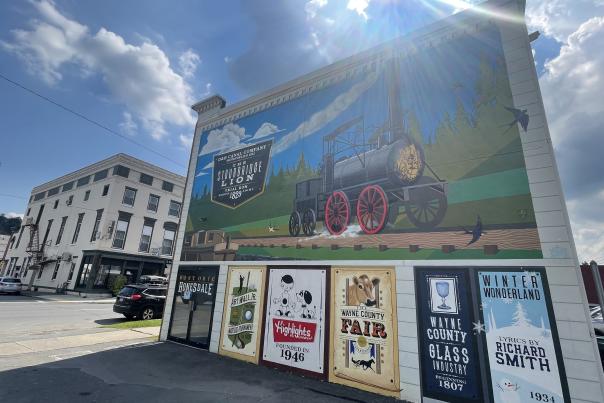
(381, 176)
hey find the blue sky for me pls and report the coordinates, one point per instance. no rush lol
(137, 66)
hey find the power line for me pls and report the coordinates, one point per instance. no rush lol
(89, 120)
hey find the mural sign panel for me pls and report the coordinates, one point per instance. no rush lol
(294, 333)
(364, 345)
(448, 347)
(415, 148)
(242, 313)
(239, 175)
(521, 338)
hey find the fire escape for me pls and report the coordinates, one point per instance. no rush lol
(34, 249)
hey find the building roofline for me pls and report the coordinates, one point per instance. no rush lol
(107, 163)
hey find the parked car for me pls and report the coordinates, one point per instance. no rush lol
(10, 285)
(141, 301)
(153, 280)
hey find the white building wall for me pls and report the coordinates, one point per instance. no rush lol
(577, 339)
(111, 205)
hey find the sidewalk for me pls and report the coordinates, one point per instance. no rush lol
(68, 298)
(65, 342)
(166, 372)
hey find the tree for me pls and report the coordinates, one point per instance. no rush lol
(520, 317)
(9, 226)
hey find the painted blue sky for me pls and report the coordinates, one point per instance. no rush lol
(137, 66)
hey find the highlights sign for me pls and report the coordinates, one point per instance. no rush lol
(294, 332)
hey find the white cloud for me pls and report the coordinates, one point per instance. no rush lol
(329, 113)
(12, 214)
(266, 129)
(572, 84)
(560, 18)
(188, 62)
(185, 140)
(137, 76)
(358, 6)
(313, 6)
(128, 125)
(229, 136)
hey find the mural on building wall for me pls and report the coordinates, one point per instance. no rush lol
(415, 157)
(242, 313)
(364, 349)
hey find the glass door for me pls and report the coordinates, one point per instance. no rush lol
(193, 306)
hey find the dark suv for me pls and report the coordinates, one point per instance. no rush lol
(141, 301)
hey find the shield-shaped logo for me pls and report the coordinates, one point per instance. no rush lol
(239, 175)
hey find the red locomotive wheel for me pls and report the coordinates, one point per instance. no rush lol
(337, 213)
(372, 209)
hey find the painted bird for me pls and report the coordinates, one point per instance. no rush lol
(520, 116)
(476, 231)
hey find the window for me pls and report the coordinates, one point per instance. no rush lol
(168, 242)
(101, 175)
(40, 272)
(76, 233)
(71, 269)
(86, 267)
(167, 186)
(121, 170)
(87, 195)
(56, 204)
(129, 197)
(61, 229)
(20, 235)
(121, 230)
(174, 210)
(83, 181)
(97, 224)
(54, 273)
(54, 191)
(105, 190)
(153, 203)
(70, 200)
(167, 246)
(39, 196)
(67, 186)
(28, 211)
(146, 179)
(46, 233)
(146, 235)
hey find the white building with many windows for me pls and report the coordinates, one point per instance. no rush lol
(116, 217)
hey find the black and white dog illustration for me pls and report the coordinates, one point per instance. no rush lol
(304, 301)
(285, 302)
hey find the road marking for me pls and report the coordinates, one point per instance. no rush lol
(58, 357)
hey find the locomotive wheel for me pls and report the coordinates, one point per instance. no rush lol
(309, 222)
(337, 212)
(427, 208)
(294, 224)
(372, 209)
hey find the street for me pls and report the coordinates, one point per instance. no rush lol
(50, 327)
(52, 349)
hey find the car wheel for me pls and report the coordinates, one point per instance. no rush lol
(147, 313)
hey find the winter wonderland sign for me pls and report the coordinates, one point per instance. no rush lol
(449, 355)
(521, 338)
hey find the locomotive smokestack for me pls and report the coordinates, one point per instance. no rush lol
(395, 111)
